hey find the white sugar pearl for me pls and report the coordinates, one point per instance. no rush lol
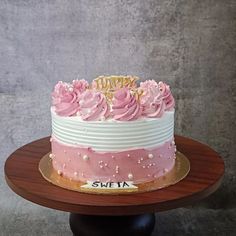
(51, 155)
(59, 172)
(103, 118)
(85, 157)
(81, 102)
(130, 176)
(150, 155)
(70, 89)
(75, 173)
(128, 155)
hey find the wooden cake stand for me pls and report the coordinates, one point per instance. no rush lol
(106, 215)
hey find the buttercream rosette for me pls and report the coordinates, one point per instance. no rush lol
(125, 105)
(166, 95)
(93, 106)
(64, 99)
(151, 100)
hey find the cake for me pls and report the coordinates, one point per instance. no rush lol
(112, 130)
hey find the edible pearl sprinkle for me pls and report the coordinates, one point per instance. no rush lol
(50, 139)
(85, 157)
(114, 175)
(51, 155)
(141, 159)
(70, 89)
(130, 176)
(112, 157)
(101, 167)
(59, 172)
(105, 164)
(165, 170)
(128, 155)
(75, 173)
(144, 167)
(173, 142)
(150, 155)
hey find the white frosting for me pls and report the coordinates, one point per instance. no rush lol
(112, 135)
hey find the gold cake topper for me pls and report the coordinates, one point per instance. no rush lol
(109, 84)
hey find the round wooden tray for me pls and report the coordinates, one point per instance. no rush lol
(22, 175)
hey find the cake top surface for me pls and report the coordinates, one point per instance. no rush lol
(112, 97)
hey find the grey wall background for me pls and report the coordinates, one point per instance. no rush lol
(189, 44)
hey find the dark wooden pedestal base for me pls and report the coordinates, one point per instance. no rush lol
(89, 225)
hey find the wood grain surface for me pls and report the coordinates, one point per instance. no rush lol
(23, 177)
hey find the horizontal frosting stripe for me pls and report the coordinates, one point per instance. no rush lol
(141, 140)
(117, 147)
(114, 135)
(109, 122)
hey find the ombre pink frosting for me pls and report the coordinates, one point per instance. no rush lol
(125, 106)
(93, 106)
(151, 101)
(113, 166)
(64, 98)
(166, 95)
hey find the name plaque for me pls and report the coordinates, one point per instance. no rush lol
(109, 185)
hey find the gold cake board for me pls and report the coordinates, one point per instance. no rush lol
(178, 172)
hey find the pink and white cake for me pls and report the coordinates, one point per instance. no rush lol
(112, 130)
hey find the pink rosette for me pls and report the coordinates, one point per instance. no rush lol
(166, 95)
(80, 86)
(125, 106)
(93, 106)
(151, 100)
(64, 99)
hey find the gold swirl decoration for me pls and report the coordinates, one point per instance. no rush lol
(109, 84)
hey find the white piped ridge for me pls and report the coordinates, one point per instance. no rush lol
(112, 135)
